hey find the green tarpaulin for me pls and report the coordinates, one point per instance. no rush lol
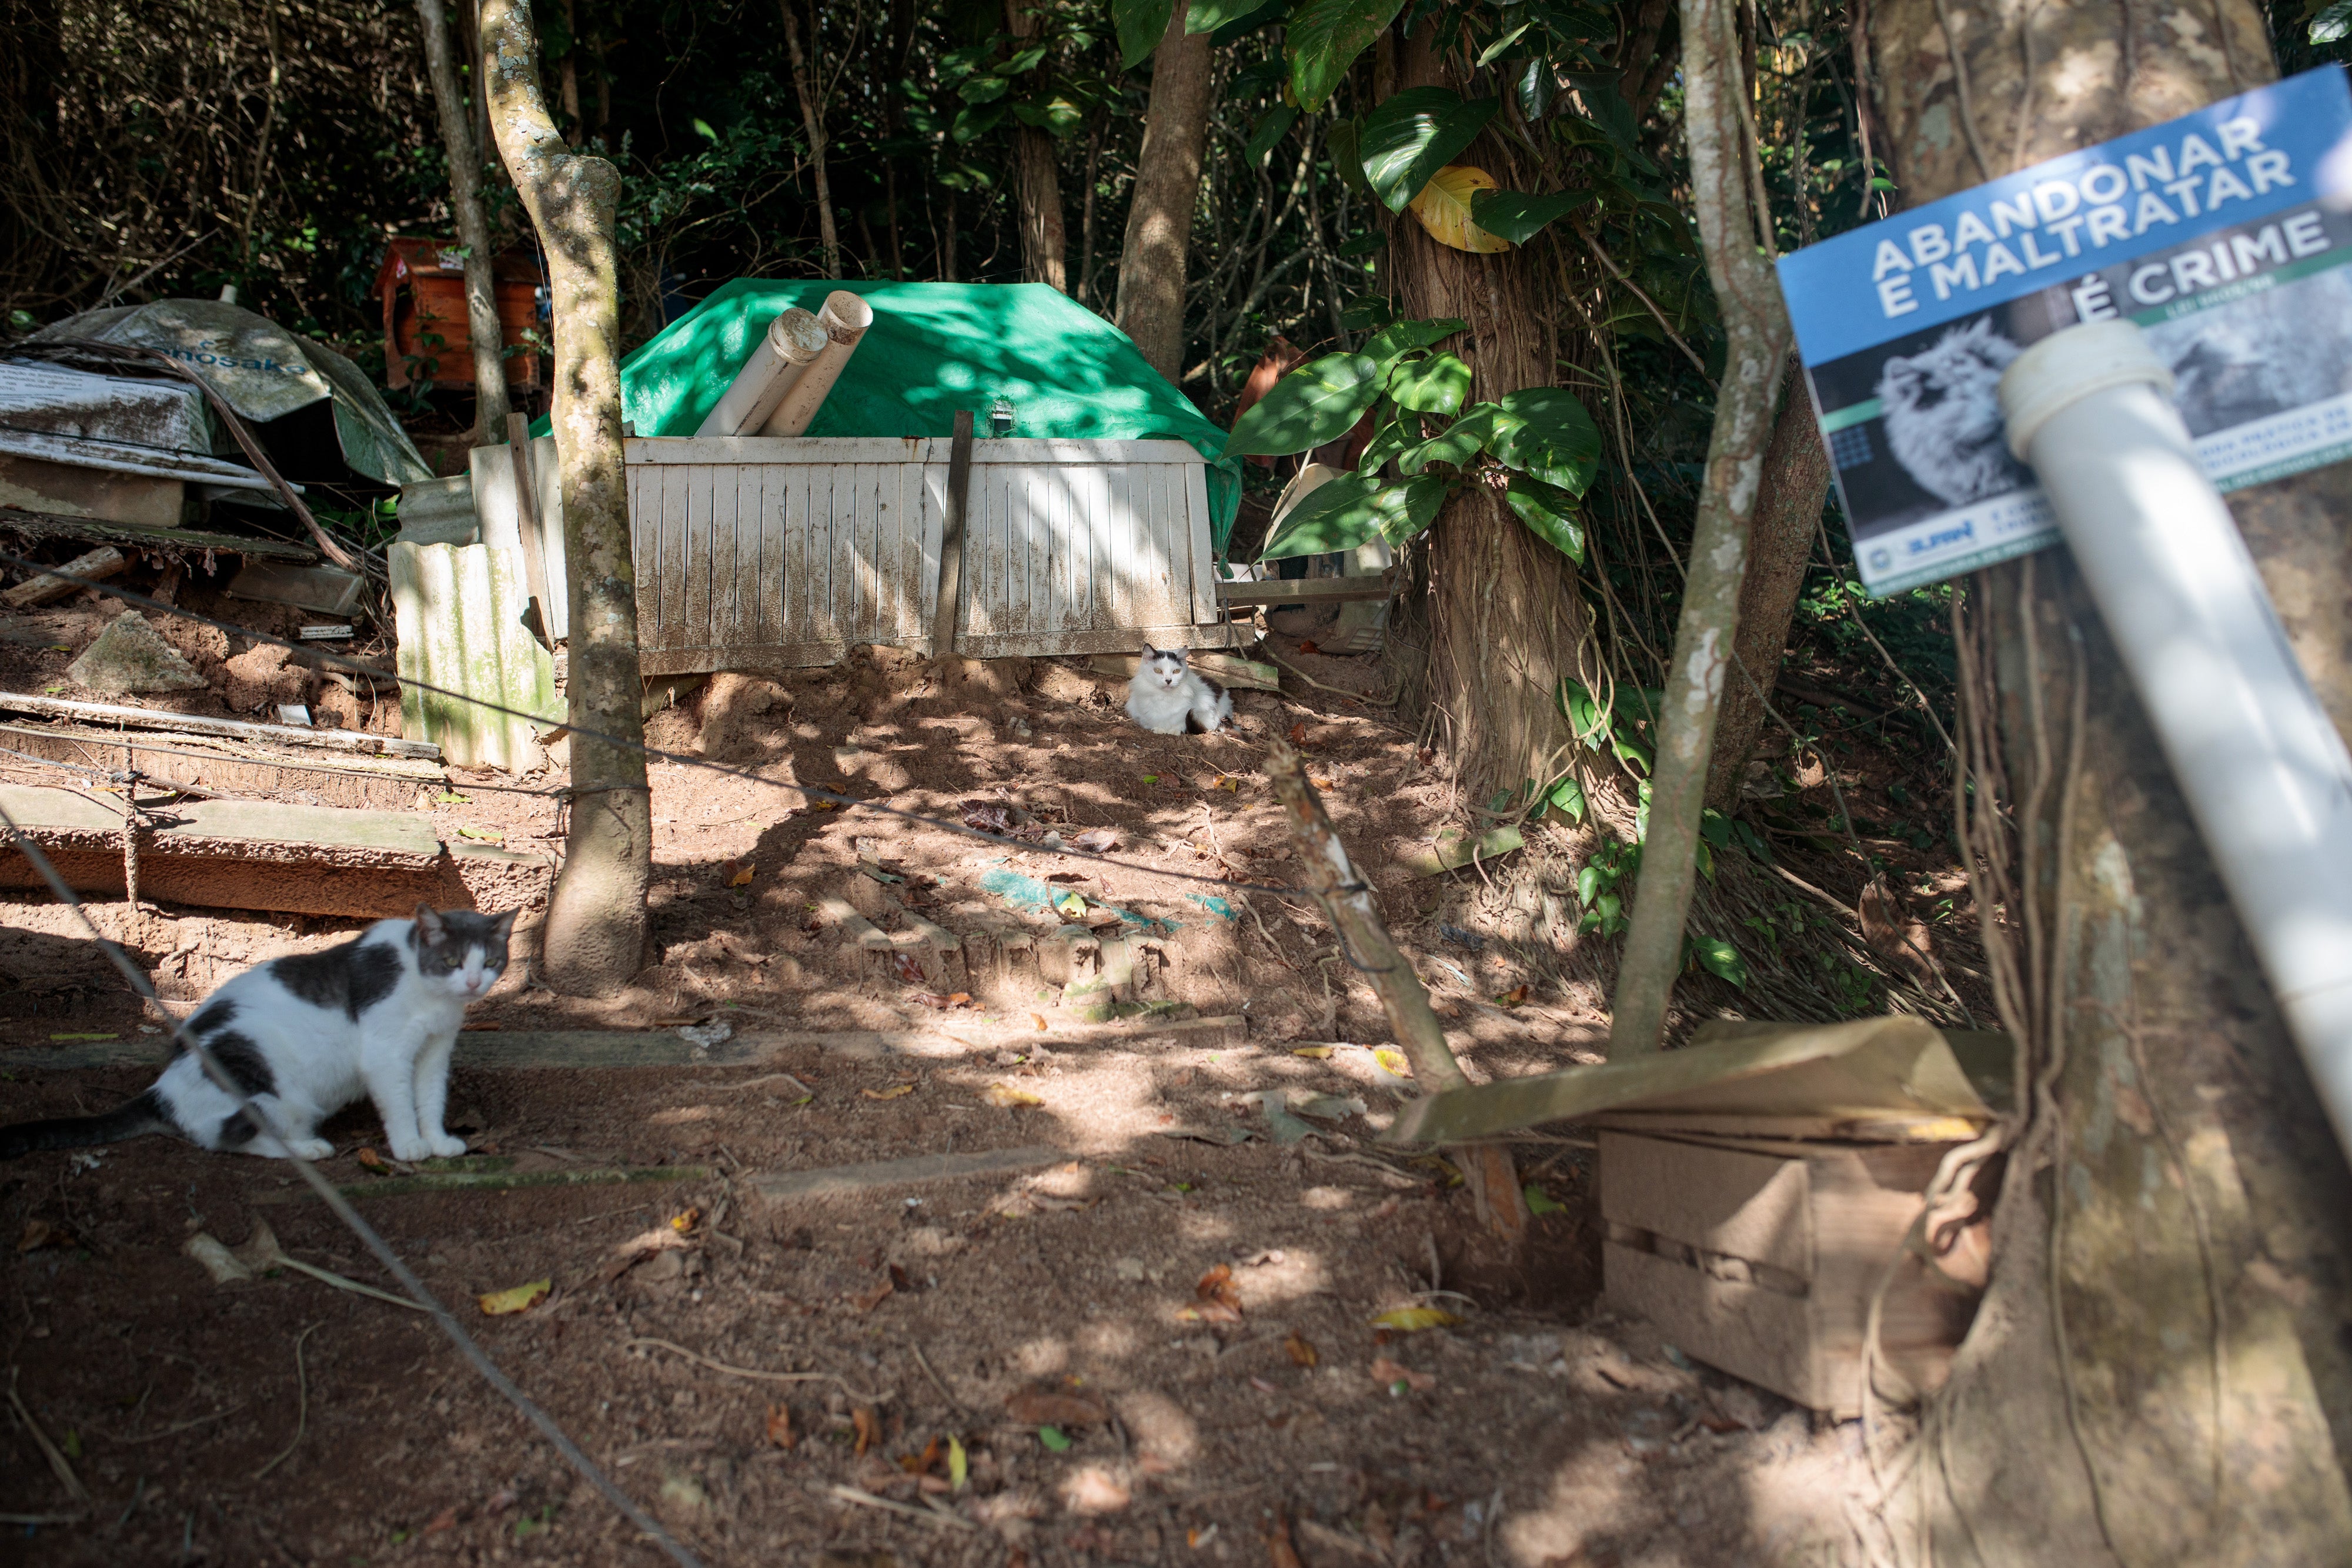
(936, 348)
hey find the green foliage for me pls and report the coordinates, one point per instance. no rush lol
(1272, 126)
(1140, 23)
(1434, 385)
(1519, 218)
(1549, 514)
(1313, 405)
(1352, 509)
(1545, 432)
(1323, 38)
(1415, 134)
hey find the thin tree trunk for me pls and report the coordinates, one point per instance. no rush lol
(1757, 329)
(1087, 221)
(482, 328)
(594, 937)
(805, 84)
(2159, 1372)
(1038, 182)
(1166, 189)
(1502, 622)
(571, 125)
(1796, 483)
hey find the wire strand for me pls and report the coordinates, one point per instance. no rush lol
(336, 1201)
(846, 802)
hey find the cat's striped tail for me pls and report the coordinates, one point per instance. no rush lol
(134, 1120)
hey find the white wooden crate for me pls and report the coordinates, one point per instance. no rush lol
(762, 553)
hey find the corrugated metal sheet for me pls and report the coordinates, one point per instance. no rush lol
(460, 610)
(748, 561)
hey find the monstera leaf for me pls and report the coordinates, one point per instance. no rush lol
(1353, 509)
(1519, 218)
(1314, 403)
(1413, 134)
(1323, 38)
(1544, 433)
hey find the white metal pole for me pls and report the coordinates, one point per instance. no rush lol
(2263, 771)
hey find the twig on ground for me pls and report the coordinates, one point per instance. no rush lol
(491, 1181)
(40, 1519)
(868, 1500)
(937, 1381)
(755, 1373)
(1389, 1172)
(179, 1426)
(755, 1082)
(1388, 701)
(64, 1472)
(302, 1403)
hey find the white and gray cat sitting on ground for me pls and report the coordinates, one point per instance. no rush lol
(308, 1034)
(1167, 697)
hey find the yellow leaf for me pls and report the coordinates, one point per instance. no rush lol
(497, 1303)
(1008, 1097)
(1444, 209)
(487, 835)
(958, 1465)
(1230, 782)
(893, 1093)
(1413, 1319)
(742, 877)
(1392, 1061)
(684, 1224)
(1313, 1053)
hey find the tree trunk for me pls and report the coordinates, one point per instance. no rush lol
(1779, 543)
(1501, 622)
(595, 939)
(2158, 1372)
(807, 71)
(1167, 188)
(482, 328)
(1038, 182)
(1755, 332)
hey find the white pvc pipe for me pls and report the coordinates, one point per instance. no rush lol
(790, 344)
(2265, 772)
(845, 317)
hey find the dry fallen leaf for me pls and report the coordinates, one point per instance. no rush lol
(896, 1091)
(1312, 1052)
(1052, 1407)
(1299, 733)
(1009, 1098)
(1308, 647)
(1319, 783)
(1221, 1299)
(742, 877)
(445, 1519)
(1302, 1350)
(640, 1247)
(908, 968)
(1413, 1319)
(499, 1304)
(686, 1220)
(1037, 1018)
(1387, 1372)
(1230, 782)
(920, 1464)
(780, 1426)
(1095, 840)
(372, 1160)
(40, 1233)
(1094, 1490)
(952, 999)
(1513, 996)
(870, 1427)
(866, 1300)
(1279, 1552)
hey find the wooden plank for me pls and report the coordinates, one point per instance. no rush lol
(494, 1181)
(527, 524)
(950, 588)
(533, 1049)
(1874, 1067)
(239, 769)
(917, 1170)
(238, 729)
(50, 525)
(1306, 591)
(58, 582)
(1226, 669)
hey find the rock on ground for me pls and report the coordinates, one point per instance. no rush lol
(132, 656)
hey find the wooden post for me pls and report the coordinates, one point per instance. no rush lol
(943, 619)
(1323, 866)
(528, 525)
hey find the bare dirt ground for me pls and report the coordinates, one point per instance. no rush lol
(1116, 1398)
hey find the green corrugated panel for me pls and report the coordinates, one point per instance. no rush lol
(460, 614)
